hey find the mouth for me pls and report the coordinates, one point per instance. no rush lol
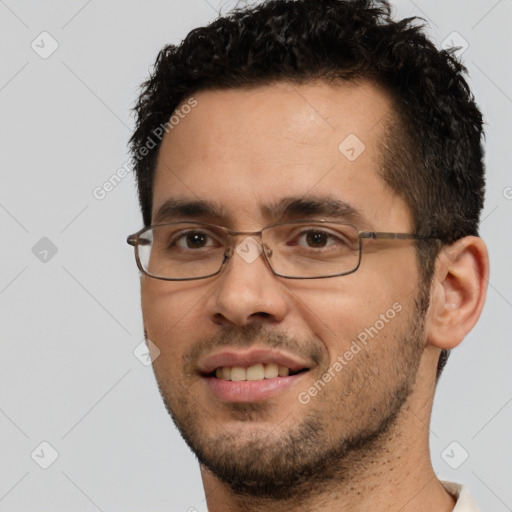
(255, 372)
(251, 376)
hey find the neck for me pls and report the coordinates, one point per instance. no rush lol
(395, 473)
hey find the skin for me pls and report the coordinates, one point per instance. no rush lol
(245, 149)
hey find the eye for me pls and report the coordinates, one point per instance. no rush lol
(316, 239)
(193, 240)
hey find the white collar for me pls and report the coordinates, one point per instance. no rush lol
(465, 502)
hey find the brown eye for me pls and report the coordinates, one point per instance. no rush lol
(196, 240)
(311, 237)
(316, 239)
(192, 240)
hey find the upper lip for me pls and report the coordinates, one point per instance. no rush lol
(246, 358)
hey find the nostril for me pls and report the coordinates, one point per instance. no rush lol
(262, 314)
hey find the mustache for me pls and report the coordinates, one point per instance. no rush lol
(257, 336)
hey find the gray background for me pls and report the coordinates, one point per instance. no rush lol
(70, 319)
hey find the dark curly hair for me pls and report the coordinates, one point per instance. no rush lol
(432, 154)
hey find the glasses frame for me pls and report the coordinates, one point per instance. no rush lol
(134, 240)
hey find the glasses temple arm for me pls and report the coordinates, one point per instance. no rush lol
(393, 236)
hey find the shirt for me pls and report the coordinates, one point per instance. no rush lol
(460, 493)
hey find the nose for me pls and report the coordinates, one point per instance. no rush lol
(247, 290)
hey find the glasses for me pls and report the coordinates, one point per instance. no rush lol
(299, 249)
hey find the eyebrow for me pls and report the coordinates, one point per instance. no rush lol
(308, 206)
(294, 207)
(173, 209)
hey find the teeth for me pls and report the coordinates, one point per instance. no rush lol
(238, 373)
(271, 371)
(254, 372)
(283, 371)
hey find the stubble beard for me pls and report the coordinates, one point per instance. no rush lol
(303, 460)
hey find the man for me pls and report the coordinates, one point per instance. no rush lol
(310, 176)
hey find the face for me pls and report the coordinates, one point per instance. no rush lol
(246, 159)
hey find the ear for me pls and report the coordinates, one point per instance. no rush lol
(458, 291)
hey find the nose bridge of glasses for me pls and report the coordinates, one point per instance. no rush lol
(248, 248)
(233, 236)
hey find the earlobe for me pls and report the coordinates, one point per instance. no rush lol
(458, 291)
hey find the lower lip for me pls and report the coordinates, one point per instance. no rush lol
(250, 390)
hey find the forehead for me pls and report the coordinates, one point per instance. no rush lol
(244, 149)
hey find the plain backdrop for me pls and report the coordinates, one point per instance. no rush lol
(70, 321)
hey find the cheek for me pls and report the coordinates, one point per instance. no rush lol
(172, 312)
(357, 306)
